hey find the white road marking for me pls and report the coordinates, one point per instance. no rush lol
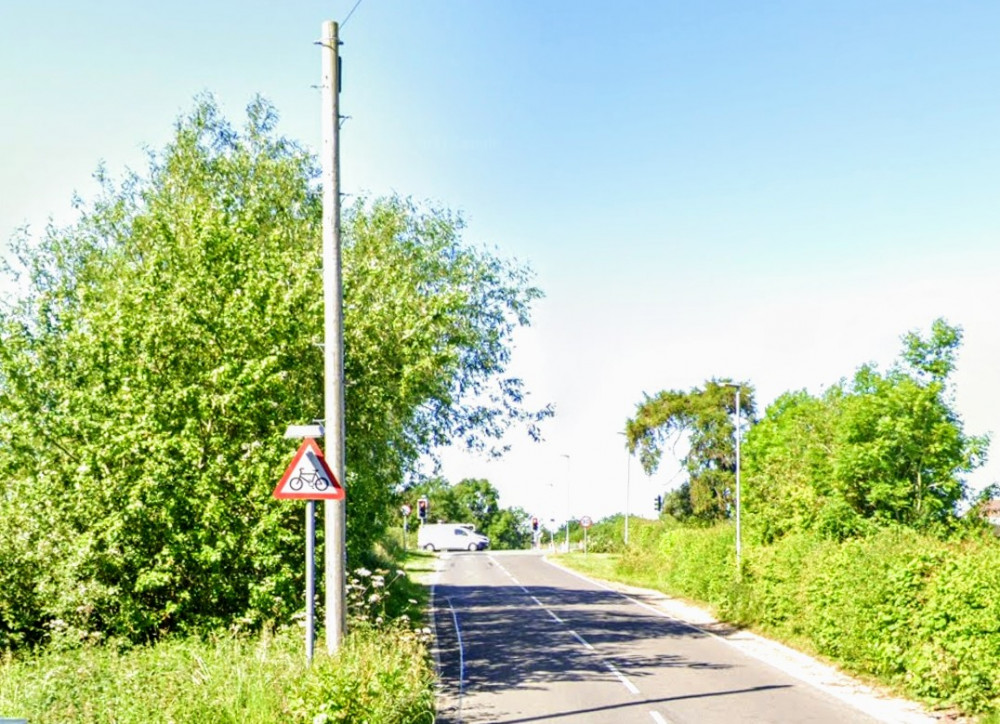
(582, 640)
(658, 718)
(621, 677)
(798, 666)
(461, 656)
(547, 610)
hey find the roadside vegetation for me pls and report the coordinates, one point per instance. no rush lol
(474, 501)
(152, 357)
(860, 541)
(381, 673)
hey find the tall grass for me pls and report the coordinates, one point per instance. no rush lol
(381, 674)
(378, 676)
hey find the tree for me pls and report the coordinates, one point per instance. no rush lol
(474, 501)
(885, 447)
(677, 502)
(902, 452)
(164, 342)
(787, 463)
(705, 416)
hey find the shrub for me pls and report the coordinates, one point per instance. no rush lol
(910, 609)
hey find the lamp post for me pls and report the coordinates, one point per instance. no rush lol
(738, 421)
(568, 505)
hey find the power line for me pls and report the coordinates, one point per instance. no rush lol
(344, 22)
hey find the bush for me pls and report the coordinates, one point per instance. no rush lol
(380, 676)
(912, 610)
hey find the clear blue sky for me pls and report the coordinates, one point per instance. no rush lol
(769, 191)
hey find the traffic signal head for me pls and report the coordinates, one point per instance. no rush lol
(659, 503)
(534, 524)
(422, 509)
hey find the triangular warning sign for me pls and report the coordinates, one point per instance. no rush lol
(308, 477)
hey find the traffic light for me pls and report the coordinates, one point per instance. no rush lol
(534, 525)
(659, 503)
(422, 509)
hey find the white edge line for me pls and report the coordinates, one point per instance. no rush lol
(461, 656)
(658, 718)
(432, 617)
(832, 690)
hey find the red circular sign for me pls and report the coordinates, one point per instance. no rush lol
(586, 522)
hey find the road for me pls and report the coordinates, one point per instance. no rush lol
(520, 640)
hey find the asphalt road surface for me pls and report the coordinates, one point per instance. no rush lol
(520, 640)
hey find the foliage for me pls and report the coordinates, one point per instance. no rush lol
(224, 678)
(164, 342)
(911, 610)
(474, 501)
(885, 448)
(706, 417)
(677, 502)
(381, 677)
(787, 471)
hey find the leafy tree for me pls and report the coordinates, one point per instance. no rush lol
(442, 504)
(164, 342)
(902, 453)
(881, 448)
(479, 499)
(474, 501)
(510, 529)
(705, 416)
(787, 463)
(677, 502)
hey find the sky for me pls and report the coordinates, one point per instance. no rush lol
(773, 192)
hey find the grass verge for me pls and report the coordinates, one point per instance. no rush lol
(378, 676)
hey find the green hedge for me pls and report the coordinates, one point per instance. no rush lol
(911, 610)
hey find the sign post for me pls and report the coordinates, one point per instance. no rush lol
(309, 478)
(585, 523)
(405, 510)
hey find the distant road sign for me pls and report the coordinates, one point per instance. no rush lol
(406, 510)
(308, 477)
(586, 522)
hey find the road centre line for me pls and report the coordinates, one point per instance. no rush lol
(582, 640)
(632, 688)
(621, 677)
(510, 575)
(547, 609)
(658, 717)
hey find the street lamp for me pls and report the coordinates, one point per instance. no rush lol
(738, 387)
(567, 500)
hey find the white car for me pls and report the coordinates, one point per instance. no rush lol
(450, 537)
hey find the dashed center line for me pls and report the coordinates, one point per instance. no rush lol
(658, 717)
(632, 688)
(582, 640)
(621, 677)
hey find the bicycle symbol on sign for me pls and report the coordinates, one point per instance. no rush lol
(312, 478)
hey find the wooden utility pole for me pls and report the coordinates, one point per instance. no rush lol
(334, 513)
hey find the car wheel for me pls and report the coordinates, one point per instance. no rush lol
(473, 547)
(429, 547)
